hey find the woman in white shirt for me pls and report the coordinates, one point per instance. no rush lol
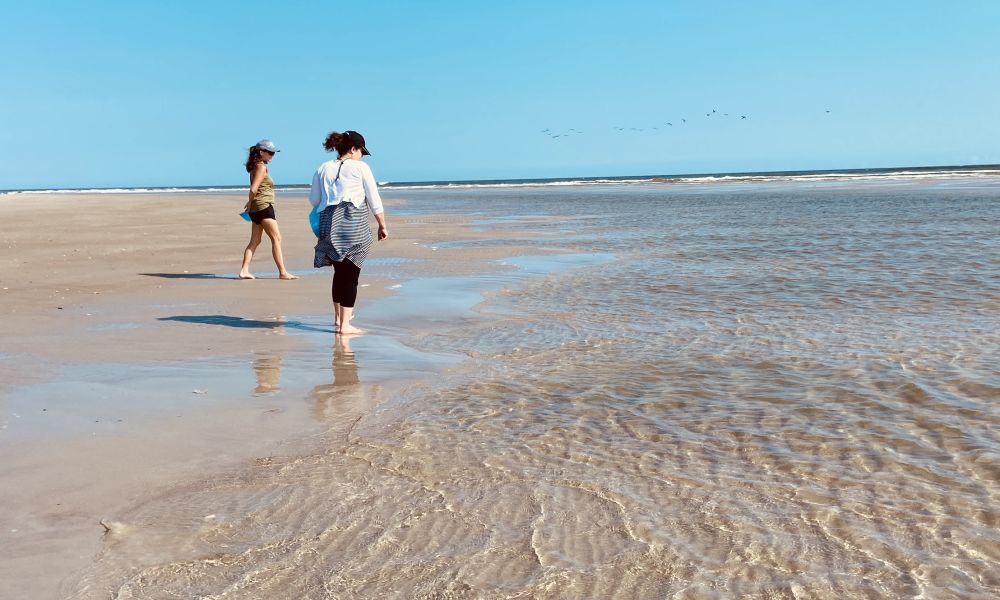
(343, 193)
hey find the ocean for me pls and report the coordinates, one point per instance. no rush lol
(779, 387)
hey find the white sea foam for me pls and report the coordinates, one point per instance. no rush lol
(807, 177)
(830, 176)
(165, 190)
(519, 184)
(716, 179)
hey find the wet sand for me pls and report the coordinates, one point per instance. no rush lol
(134, 360)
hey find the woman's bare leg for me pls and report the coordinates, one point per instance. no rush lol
(271, 229)
(255, 236)
(346, 312)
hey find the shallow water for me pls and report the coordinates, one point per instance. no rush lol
(764, 392)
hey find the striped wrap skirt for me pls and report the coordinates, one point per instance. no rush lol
(344, 234)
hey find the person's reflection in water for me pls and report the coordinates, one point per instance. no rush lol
(345, 368)
(267, 364)
(345, 376)
(267, 368)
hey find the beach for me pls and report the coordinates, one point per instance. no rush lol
(115, 375)
(616, 390)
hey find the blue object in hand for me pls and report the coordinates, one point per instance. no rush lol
(314, 220)
(245, 215)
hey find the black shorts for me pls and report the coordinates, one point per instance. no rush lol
(259, 215)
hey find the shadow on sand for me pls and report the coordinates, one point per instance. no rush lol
(240, 322)
(188, 275)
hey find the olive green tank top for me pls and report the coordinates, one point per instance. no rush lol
(265, 195)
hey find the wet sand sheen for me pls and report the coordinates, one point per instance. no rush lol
(734, 406)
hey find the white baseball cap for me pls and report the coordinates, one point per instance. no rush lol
(267, 145)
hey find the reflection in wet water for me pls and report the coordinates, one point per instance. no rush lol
(267, 363)
(345, 367)
(267, 370)
(331, 399)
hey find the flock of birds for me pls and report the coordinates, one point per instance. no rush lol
(713, 113)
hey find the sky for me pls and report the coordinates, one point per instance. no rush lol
(125, 94)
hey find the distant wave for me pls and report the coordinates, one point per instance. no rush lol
(809, 176)
(516, 183)
(905, 174)
(834, 176)
(152, 190)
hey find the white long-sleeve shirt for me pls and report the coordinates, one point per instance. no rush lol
(356, 185)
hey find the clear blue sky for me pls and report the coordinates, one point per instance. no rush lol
(100, 94)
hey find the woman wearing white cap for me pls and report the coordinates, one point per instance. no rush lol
(343, 193)
(261, 209)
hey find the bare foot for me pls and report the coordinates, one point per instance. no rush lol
(287, 276)
(349, 330)
(246, 276)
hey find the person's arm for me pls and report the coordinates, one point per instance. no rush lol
(316, 192)
(255, 181)
(374, 201)
(382, 231)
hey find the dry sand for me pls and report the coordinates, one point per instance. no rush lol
(140, 291)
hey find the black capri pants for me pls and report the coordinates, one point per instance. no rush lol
(345, 283)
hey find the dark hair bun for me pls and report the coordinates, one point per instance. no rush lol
(333, 141)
